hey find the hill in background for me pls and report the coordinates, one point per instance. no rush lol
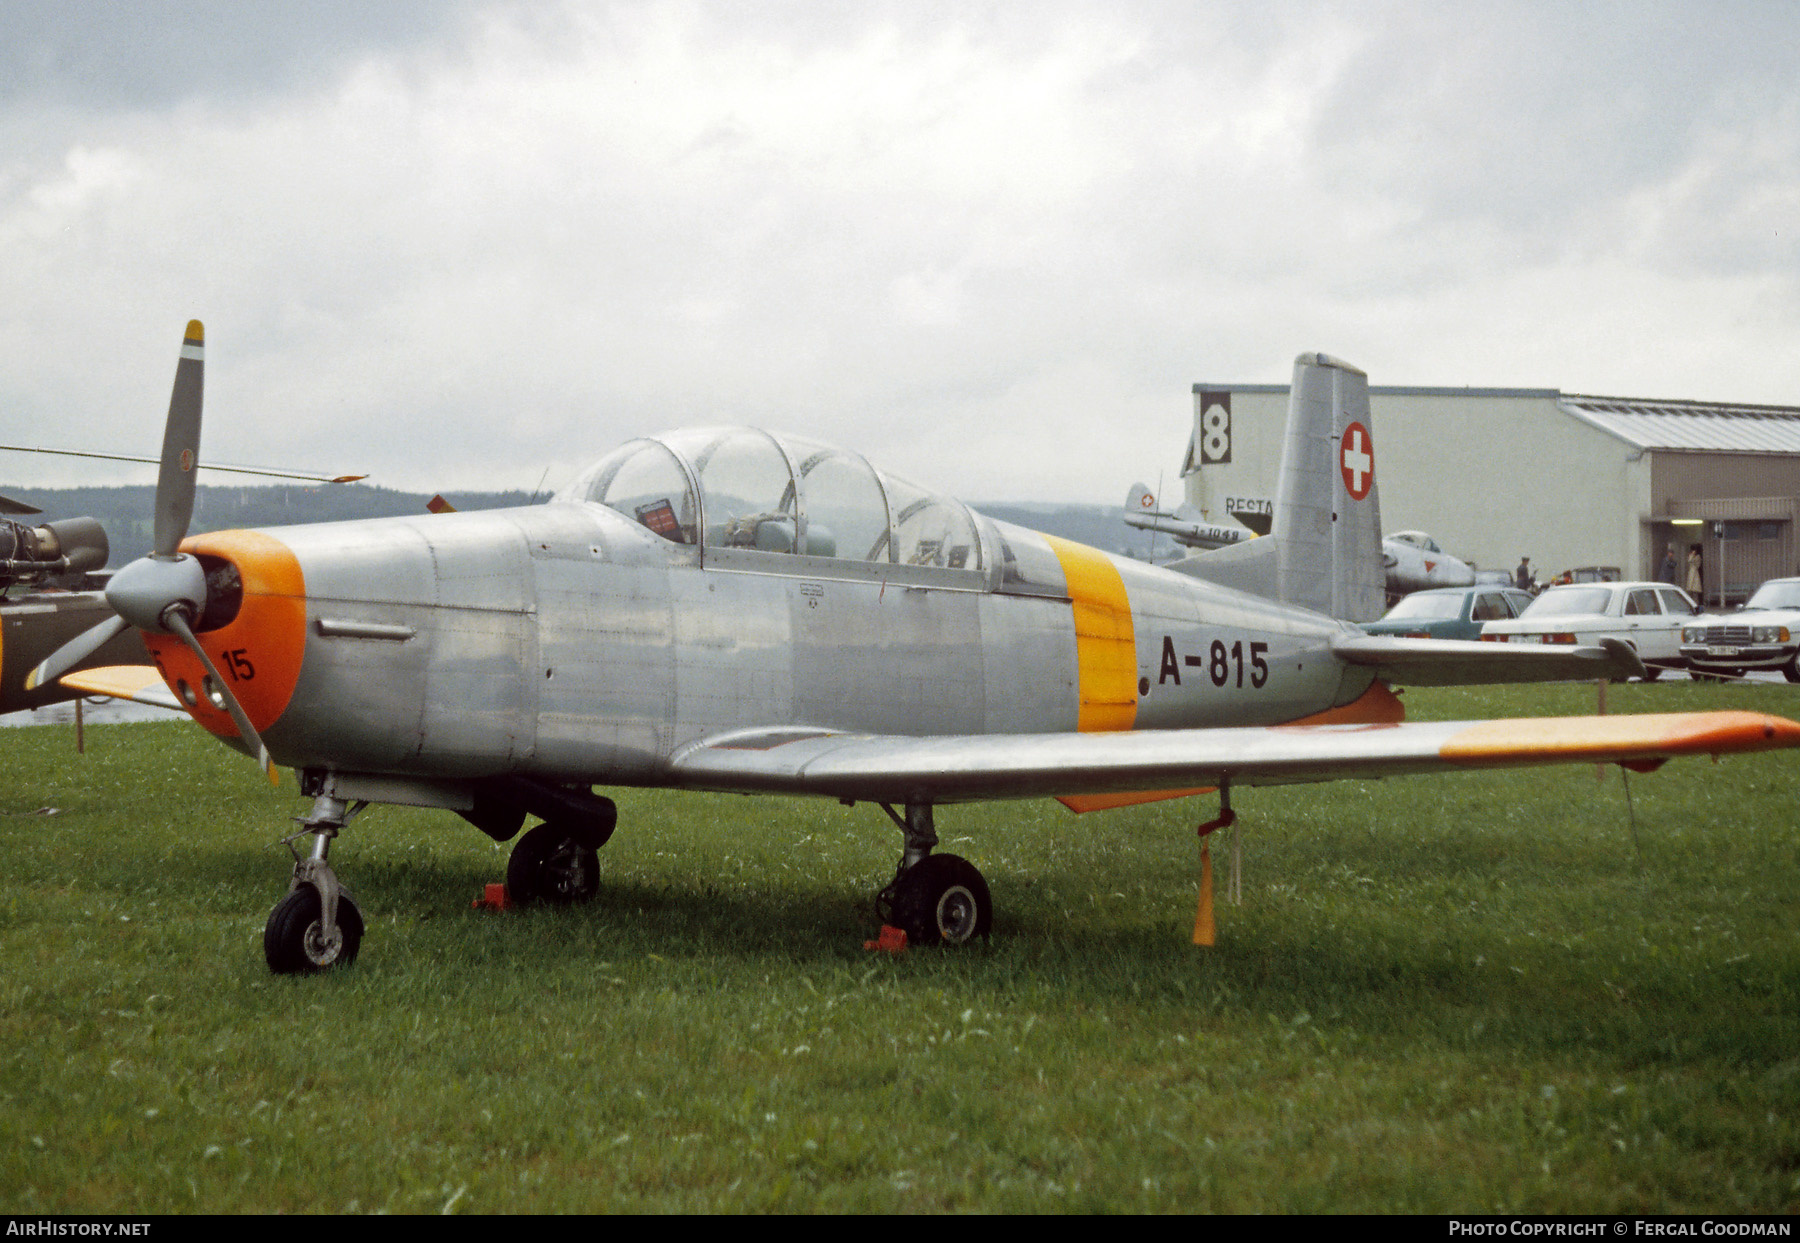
(126, 512)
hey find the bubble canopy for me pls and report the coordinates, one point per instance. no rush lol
(744, 489)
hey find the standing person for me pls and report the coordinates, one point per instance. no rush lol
(1696, 581)
(1671, 568)
(1522, 575)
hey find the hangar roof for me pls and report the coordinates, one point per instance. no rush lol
(1692, 426)
(1642, 422)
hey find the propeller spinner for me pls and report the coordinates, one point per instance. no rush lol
(165, 592)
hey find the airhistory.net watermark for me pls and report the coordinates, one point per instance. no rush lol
(52, 1228)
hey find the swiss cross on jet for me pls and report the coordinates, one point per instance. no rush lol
(1357, 457)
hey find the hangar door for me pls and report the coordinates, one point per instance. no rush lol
(1744, 541)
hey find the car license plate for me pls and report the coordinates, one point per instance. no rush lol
(1724, 651)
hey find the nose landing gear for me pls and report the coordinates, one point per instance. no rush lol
(317, 925)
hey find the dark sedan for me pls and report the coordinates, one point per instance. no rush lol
(1451, 612)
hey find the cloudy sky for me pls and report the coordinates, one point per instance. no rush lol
(991, 245)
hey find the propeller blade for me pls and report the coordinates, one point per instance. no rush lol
(181, 445)
(75, 651)
(177, 622)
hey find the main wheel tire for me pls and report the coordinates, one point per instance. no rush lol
(551, 864)
(295, 944)
(943, 900)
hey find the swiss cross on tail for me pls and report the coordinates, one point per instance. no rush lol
(1356, 456)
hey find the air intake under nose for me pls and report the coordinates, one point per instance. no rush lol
(252, 625)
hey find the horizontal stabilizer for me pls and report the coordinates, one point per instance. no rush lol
(1452, 662)
(138, 683)
(901, 769)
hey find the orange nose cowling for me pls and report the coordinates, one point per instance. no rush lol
(258, 652)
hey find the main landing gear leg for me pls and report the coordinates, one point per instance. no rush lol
(936, 899)
(317, 925)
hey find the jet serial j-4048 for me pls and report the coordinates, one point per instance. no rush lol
(728, 609)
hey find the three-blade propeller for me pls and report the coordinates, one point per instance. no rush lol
(165, 592)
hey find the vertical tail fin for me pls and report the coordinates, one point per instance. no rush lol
(1323, 551)
(1327, 503)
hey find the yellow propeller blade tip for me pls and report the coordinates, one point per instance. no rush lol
(196, 332)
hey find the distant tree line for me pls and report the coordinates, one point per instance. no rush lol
(129, 518)
(128, 513)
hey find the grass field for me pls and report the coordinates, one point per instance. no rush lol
(1473, 993)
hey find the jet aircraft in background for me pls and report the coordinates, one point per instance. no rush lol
(1184, 524)
(734, 610)
(1414, 562)
(1412, 559)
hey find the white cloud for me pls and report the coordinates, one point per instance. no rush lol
(993, 253)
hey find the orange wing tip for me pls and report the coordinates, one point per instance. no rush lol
(1080, 804)
(1576, 738)
(196, 333)
(1376, 706)
(118, 681)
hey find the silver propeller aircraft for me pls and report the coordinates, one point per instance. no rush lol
(727, 609)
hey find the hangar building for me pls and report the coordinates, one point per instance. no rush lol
(1569, 480)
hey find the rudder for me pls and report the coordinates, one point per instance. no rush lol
(1327, 503)
(1323, 550)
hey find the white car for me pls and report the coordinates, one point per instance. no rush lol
(1648, 616)
(1764, 634)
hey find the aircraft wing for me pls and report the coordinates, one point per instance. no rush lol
(1453, 662)
(885, 768)
(138, 683)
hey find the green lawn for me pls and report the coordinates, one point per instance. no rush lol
(1471, 993)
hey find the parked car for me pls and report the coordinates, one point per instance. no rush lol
(1594, 574)
(1451, 612)
(1764, 634)
(1648, 616)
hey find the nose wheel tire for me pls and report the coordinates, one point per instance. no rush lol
(295, 942)
(943, 900)
(551, 864)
